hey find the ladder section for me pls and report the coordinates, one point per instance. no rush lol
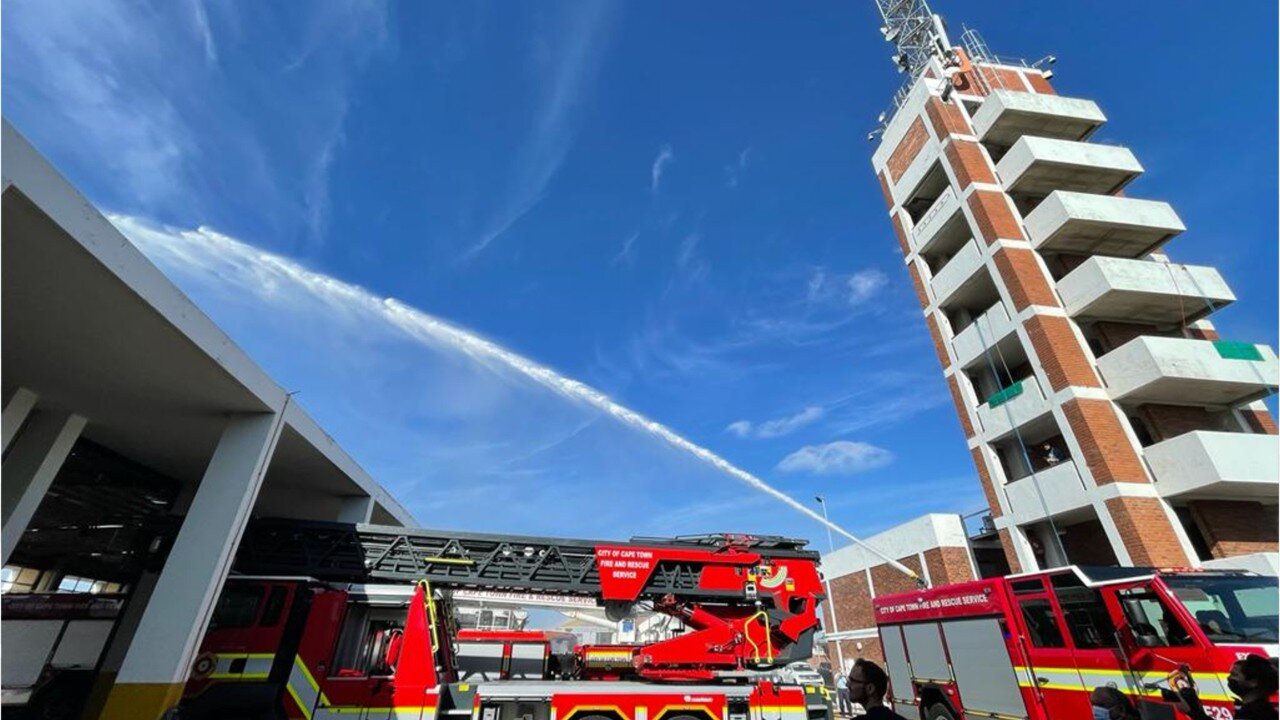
(371, 553)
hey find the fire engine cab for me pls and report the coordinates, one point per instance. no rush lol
(1035, 645)
(326, 620)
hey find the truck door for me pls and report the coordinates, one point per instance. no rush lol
(1091, 633)
(226, 644)
(360, 683)
(308, 674)
(1051, 671)
(1156, 638)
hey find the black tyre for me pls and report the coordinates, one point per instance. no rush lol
(939, 711)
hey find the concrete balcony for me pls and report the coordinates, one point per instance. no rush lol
(1142, 291)
(1011, 408)
(1005, 116)
(989, 329)
(920, 169)
(1038, 166)
(1061, 487)
(1180, 371)
(1216, 465)
(941, 214)
(952, 276)
(1101, 224)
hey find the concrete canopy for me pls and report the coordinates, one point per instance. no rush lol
(92, 327)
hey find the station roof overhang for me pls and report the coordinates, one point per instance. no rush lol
(91, 326)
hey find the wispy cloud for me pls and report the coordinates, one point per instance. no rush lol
(688, 250)
(625, 255)
(131, 99)
(784, 312)
(201, 18)
(64, 64)
(691, 268)
(733, 171)
(888, 399)
(665, 155)
(842, 457)
(568, 77)
(778, 427)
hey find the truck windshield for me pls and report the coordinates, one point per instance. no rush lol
(1230, 609)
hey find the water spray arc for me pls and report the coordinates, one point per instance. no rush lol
(419, 324)
(210, 252)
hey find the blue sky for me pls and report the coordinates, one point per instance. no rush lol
(670, 202)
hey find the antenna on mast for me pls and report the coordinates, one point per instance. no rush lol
(916, 31)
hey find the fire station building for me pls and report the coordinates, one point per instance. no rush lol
(138, 440)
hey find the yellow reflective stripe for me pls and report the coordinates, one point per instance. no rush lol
(319, 707)
(257, 666)
(303, 688)
(306, 673)
(306, 710)
(1027, 675)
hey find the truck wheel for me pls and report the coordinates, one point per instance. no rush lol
(939, 711)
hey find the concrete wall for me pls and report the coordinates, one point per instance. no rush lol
(935, 546)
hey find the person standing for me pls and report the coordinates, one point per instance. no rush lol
(842, 695)
(867, 685)
(1253, 679)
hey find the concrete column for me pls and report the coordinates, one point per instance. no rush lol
(163, 647)
(16, 410)
(29, 468)
(356, 509)
(1049, 540)
(1022, 548)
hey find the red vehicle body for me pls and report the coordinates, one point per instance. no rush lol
(299, 647)
(1036, 645)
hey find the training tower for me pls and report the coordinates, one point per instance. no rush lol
(1107, 420)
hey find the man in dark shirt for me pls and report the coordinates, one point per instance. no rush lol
(867, 685)
(1252, 679)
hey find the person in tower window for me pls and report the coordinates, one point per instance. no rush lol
(1050, 455)
(867, 685)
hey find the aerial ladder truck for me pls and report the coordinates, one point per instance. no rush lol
(328, 620)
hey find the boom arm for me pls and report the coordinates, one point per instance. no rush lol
(751, 601)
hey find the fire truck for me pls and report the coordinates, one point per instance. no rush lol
(324, 620)
(1035, 645)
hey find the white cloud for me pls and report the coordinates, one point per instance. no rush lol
(841, 290)
(787, 425)
(665, 155)
(842, 457)
(865, 284)
(778, 427)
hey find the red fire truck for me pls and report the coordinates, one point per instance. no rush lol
(1035, 645)
(327, 620)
